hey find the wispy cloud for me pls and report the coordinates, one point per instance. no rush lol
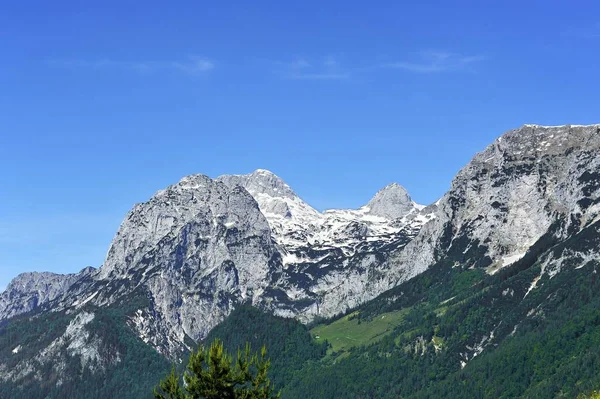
(330, 62)
(584, 32)
(436, 61)
(320, 76)
(192, 65)
(326, 68)
(330, 68)
(297, 64)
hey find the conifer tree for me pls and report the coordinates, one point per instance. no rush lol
(211, 374)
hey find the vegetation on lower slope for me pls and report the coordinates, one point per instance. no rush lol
(593, 395)
(467, 334)
(137, 370)
(451, 332)
(351, 331)
(287, 341)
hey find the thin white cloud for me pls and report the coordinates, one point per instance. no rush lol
(194, 66)
(329, 68)
(191, 66)
(298, 63)
(320, 76)
(330, 61)
(583, 31)
(436, 61)
(324, 68)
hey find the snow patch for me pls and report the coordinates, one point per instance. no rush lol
(533, 285)
(79, 304)
(509, 260)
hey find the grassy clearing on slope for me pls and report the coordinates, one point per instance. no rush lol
(349, 332)
(593, 395)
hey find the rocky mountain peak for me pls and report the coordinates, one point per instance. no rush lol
(536, 141)
(268, 182)
(275, 198)
(532, 140)
(197, 201)
(510, 195)
(193, 182)
(260, 182)
(391, 202)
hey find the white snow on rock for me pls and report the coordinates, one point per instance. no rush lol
(509, 260)
(296, 225)
(533, 285)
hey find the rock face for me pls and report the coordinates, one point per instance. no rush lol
(330, 260)
(28, 291)
(392, 202)
(202, 246)
(509, 196)
(77, 342)
(197, 248)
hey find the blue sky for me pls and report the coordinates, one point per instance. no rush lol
(103, 104)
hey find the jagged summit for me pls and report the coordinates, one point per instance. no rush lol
(264, 183)
(261, 181)
(275, 198)
(551, 138)
(557, 126)
(194, 181)
(391, 202)
(509, 196)
(536, 142)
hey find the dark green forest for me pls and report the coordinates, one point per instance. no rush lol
(289, 344)
(139, 368)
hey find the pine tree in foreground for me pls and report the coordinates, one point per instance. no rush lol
(211, 374)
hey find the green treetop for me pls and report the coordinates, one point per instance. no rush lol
(211, 374)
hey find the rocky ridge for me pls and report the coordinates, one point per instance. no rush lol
(29, 290)
(509, 196)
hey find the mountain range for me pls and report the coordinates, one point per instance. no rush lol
(526, 210)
